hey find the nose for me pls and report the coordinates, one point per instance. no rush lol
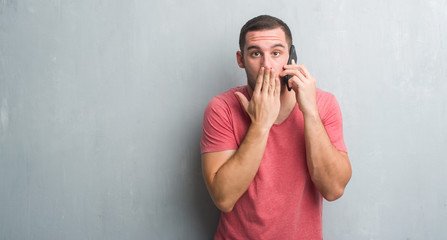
(266, 61)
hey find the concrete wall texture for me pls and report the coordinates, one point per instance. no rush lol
(101, 106)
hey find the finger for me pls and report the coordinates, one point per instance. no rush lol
(301, 76)
(272, 82)
(259, 80)
(277, 86)
(291, 65)
(243, 100)
(266, 80)
(294, 83)
(304, 70)
(292, 72)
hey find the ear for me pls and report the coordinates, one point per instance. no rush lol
(240, 59)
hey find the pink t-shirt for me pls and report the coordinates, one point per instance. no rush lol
(282, 201)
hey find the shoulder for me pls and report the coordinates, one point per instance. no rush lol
(226, 100)
(325, 99)
(327, 103)
(324, 96)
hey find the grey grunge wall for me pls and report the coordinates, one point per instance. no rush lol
(101, 107)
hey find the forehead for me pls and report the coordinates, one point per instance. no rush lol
(265, 36)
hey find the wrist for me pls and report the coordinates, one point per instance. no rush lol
(258, 128)
(311, 114)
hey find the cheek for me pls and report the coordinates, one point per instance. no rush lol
(252, 67)
(279, 67)
(280, 64)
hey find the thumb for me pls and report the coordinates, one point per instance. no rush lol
(242, 99)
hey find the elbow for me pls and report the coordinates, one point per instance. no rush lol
(224, 206)
(223, 202)
(226, 210)
(333, 195)
(337, 190)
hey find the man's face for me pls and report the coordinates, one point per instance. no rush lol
(264, 48)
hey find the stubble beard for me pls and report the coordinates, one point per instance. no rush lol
(251, 82)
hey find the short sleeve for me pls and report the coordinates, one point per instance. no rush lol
(333, 123)
(217, 129)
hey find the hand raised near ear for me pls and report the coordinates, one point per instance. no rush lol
(304, 86)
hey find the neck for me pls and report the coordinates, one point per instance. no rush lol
(288, 103)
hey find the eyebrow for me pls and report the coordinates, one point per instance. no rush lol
(278, 45)
(257, 47)
(253, 47)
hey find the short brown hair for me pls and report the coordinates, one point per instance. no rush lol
(263, 22)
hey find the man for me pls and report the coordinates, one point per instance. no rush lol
(270, 155)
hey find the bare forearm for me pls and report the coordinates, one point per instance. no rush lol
(329, 168)
(236, 175)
